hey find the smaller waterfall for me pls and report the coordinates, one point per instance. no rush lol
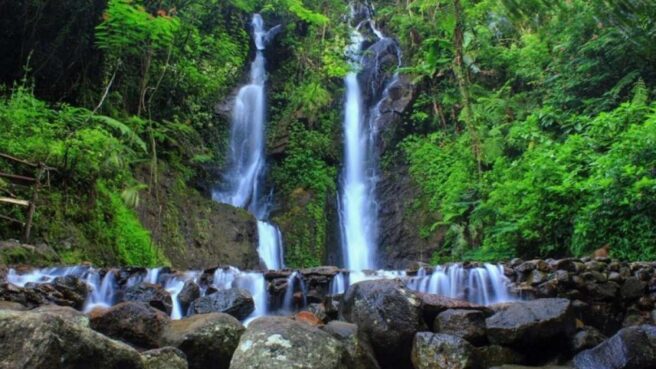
(289, 304)
(242, 182)
(102, 291)
(481, 285)
(338, 284)
(256, 285)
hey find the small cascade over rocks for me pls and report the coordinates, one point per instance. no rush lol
(242, 181)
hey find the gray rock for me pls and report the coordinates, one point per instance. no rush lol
(630, 348)
(164, 358)
(134, 322)
(361, 354)
(633, 288)
(151, 294)
(44, 341)
(388, 314)
(467, 324)
(442, 351)
(64, 312)
(282, 343)
(208, 340)
(586, 338)
(237, 302)
(528, 323)
(190, 292)
(494, 355)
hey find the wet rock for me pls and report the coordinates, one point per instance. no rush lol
(494, 355)
(529, 323)
(633, 288)
(237, 302)
(282, 343)
(603, 291)
(32, 340)
(208, 340)
(432, 305)
(388, 314)
(361, 354)
(442, 351)
(378, 62)
(133, 322)
(630, 348)
(164, 358)
(586, 338)
(467, 324)
(151, 294)
(72, 289)
(190, 292)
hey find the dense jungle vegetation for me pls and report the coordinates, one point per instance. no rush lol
(532, 131)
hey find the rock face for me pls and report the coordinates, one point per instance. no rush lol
(466, 324)
(152, 294)
(133, 322)
(360, 352)
(387, 314)
(194, 231)
(630, 348)
(164, 358)
(32, 340)
(529, 323)
(442, 351)
(208, 340)
(237, 302)
(282, 343)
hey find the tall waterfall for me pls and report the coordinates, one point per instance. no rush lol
(358, 207)
(242, 186)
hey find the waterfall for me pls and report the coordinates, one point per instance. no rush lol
(242, 182)
(357, 207)
(102, 290)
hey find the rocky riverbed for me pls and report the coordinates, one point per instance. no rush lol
(572, 313)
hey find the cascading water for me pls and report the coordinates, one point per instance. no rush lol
(242, 185)
(358, 207)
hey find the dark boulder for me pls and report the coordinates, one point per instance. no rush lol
(44, 341)
(190, 292)
(208, 340)
(494, 355)
(388, 314)
(360, 353)
(630, 348)
(586, 338)
(151, 294)
(467, 324)
(531, 323)
(282, 343)
(432, 305)
(133, 322)
(237, 302)
(72, 289)
(443, 351)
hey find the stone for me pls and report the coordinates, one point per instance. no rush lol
(134, 322)
(44, 341)
(319, 310)
(64, 312)
(630, 348)
(494, 355)
(442, 351)
(528, 323)
(633, 288)
(151, 294)
(388, 314)
(208, 340)
(72, 289)
(283, 343)
(190, 292)
(586, 338)
(361, 354)
(432, 305)
(237, 302)
(467, 324)
(164, 358)
(308, 318)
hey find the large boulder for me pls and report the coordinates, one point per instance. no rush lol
(630, 348)
(467, 324)
(529, 323)
(282, 343)
(432, 305)
(442, 351)
(151, 294)
(208, 340)
(31, 340)
(361, 354)
(64, 312)
(164, 358)
(134, 322)
(388, 314)
(237, 302)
